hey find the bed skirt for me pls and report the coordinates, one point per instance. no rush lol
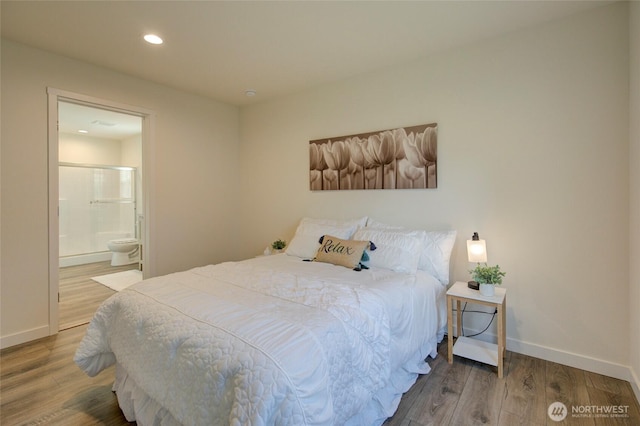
(137, 406)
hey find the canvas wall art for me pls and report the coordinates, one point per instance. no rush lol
(402, 158)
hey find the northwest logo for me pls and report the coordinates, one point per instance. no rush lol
(557, 411)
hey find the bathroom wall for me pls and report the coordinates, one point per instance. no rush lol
(83, 149)
(131, 152)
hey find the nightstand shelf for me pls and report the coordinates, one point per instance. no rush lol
(478, 350)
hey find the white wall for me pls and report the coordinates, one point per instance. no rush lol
(634, 195)
(88, 149)
(196, 150)
(131, 151)
(532, 154)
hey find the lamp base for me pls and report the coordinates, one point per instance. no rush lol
(474, 285)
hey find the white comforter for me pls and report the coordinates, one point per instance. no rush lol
(271, 340)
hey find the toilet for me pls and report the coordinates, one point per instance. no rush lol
(124, 250)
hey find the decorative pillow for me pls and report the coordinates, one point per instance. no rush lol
(341, 252)
(305, 241)
(396, 250)
(436, 254)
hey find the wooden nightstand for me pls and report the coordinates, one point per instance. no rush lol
(475, 349)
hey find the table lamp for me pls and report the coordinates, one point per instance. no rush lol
(476, 252)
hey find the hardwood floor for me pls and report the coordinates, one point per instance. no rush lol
(40, 384)
(470, 393)
(80, 296)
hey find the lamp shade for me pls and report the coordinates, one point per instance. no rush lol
(476, 249)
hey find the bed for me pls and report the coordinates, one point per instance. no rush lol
(279, 339)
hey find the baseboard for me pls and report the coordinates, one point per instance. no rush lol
(24, 337)
(594, 365)
(583, 362)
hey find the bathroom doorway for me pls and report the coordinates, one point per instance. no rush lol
(99, 200)
(99, 186)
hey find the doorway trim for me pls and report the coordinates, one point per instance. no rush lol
(148, 179)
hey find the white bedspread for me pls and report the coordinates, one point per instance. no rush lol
(272, 340)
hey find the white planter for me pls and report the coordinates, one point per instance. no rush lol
(487, 289)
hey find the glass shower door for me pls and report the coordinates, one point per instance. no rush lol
(97, 204)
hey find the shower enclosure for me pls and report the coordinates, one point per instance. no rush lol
(96, 204)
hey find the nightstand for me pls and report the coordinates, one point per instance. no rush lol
(475, 349)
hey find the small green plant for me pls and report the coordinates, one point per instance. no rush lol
(278, 244)
(487, 274)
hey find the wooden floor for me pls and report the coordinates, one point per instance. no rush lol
(80, 296)
(470, 393)
(40, 384)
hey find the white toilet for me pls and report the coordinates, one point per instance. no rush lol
(125, 251)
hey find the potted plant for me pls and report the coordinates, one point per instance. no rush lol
(487, 277)
(278, 245)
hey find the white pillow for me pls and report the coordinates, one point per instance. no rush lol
(436, 254)
(305, 241)
(396, 250)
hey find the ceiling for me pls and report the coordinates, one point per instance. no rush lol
(219, 49)
(96, 122)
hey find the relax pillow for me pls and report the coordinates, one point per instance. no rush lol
(437, 248)
(341, 252)
(395, 250)
(305, 241)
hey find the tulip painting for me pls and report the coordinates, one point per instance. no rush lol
(401, 158)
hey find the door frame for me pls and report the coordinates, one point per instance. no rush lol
(148, 187)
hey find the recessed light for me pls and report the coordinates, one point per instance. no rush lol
(83, 131)
(250, 92)
(153, 39)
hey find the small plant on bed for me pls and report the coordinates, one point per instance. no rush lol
(487, 276)
(278, 244)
